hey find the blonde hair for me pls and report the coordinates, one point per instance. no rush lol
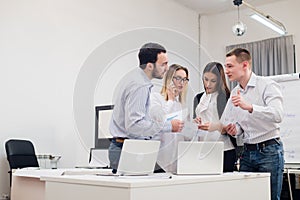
(168, 80)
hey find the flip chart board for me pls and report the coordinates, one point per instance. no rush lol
(290, 126)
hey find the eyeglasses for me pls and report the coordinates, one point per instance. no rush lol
(179, 79)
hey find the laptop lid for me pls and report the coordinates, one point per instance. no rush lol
(138, 157)
(200, 158)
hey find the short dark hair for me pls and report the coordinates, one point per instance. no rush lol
(241, 54)
(148, 53)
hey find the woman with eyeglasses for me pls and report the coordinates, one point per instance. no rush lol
(209, 106)
(166, 105)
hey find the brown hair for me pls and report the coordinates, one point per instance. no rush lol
(240, 54)
(217, 69)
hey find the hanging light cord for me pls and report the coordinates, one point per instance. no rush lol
(238, 14)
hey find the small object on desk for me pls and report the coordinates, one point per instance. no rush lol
(84, 171)
(53, 161)
(150, 176)
(48, 161)
(92, 167)
(106, 174)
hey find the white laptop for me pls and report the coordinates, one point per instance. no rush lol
(200, 158)
(138, 157)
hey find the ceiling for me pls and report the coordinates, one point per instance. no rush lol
(217, 6)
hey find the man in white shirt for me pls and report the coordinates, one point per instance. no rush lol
(131, 118)
(254, 112)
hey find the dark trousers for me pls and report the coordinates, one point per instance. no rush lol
(229, 160)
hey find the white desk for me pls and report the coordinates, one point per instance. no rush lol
(247, 186)
(26, 183)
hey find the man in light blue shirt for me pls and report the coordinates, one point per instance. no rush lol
(254, 111)
(131, 118)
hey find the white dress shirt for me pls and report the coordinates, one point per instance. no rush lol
(263, 123)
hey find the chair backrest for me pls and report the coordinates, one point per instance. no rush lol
(20, 154)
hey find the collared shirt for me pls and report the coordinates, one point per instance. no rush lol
(263, 123)
(208, 112)
(130, 116)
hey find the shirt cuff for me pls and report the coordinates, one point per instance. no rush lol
(167, 127)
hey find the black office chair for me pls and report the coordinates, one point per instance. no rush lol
(20, 154)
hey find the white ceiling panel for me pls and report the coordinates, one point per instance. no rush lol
(217, 6)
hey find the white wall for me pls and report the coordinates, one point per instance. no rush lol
(43, 46)
(216, 31)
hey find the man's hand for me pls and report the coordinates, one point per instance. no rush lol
(177, 125)
(238, 100)
(230, 129)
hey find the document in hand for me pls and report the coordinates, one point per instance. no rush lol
(181, 115)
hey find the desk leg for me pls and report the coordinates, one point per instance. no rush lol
(289, 182)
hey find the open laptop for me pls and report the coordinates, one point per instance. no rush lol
(138, 157)
(200, 158)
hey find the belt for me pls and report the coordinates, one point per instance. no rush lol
(119, 139)
(261, 145)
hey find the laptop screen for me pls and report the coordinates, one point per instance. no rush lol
(138, 157)
(200, 158)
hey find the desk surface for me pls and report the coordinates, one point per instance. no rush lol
(148, 181)
(38, 173)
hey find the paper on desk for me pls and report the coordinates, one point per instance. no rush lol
(78, 171)
(150, 176)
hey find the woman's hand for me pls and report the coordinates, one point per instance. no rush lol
(177, 125)
(197, 120)
(209, 126)
(172, 92)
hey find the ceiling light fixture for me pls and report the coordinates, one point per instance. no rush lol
(239, 28)
(266, 20)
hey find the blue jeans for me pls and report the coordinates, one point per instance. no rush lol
(114, 152)
(267, 159)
